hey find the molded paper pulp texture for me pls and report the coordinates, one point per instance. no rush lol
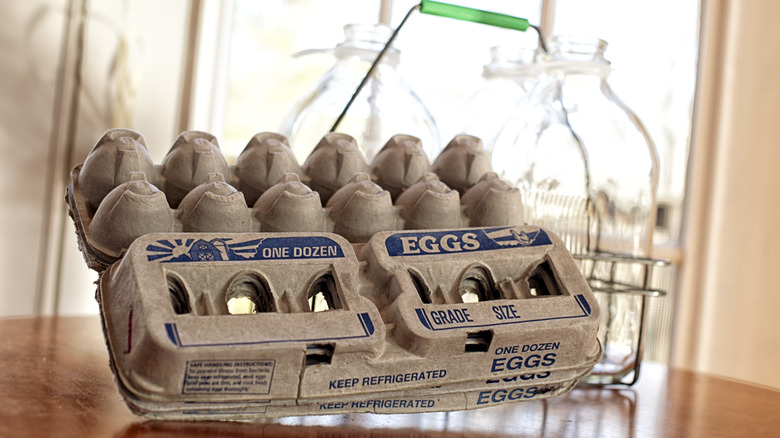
(397, 286)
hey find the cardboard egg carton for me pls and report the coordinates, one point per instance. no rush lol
(394, 286)
(119, 194)
(488, 313)
(430, 400)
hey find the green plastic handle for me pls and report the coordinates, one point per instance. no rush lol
(473, 15)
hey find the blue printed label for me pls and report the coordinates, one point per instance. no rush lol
(387, 379)
(229, 249)
(520, 393)
(380, 404)
(460, 241)
(502, 314)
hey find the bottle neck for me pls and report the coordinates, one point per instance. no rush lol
(512, 62)
(574, 55)
(365, 41)
(581, 69)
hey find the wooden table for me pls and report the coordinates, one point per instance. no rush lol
(55, 381)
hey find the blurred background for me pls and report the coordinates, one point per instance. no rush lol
(698, 73)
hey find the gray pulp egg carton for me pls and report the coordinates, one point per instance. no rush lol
(397, 286)
(119, 194)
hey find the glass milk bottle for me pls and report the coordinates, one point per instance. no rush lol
(589, 171)
(505, 80)
(385, 106)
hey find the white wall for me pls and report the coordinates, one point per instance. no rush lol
(727, 321)
(31, 48)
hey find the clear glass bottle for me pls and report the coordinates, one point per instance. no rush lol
(385, 106)
(537, 152)
(589, 171)
(512, 71)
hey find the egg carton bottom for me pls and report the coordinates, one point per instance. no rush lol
(486, 394)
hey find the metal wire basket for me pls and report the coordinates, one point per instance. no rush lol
(593, 265)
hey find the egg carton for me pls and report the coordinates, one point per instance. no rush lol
(429, 400)
(394, 286)
(118, 193)
(413, 322)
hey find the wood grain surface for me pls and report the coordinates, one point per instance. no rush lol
(55, 381)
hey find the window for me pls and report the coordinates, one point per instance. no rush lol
(442, 62)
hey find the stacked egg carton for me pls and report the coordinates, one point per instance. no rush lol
(398, 286)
